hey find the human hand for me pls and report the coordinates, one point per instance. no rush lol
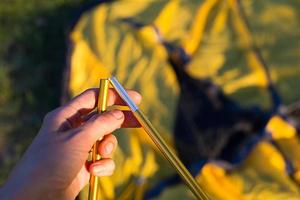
(54, 166)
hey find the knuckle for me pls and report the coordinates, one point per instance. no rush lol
(106, 121)
(50, 115)
(90, 90)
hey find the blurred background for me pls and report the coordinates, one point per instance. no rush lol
(33, 38)
(43, 61)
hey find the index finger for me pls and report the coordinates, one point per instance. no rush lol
(115, 99)
(87, 101)
(70, 115)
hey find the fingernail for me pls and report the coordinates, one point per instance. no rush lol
(109, 147)
(103, 170)
(117, 114)
(99, 170)
(139, 97)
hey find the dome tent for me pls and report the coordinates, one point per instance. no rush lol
(204, 81)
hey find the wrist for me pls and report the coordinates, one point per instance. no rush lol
(18, 187)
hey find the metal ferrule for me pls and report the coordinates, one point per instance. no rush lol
(123, 94)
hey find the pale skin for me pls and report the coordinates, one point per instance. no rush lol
(54, 166)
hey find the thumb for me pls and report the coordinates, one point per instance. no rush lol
(98, 126)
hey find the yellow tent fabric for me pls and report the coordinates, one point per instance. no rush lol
(214, 33)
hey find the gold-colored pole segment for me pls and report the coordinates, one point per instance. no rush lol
(103, 95)
(159, 142)
(101, 107)
(170, 155)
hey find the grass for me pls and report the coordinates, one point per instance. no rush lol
(33, 38)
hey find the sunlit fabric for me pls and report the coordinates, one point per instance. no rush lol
(215, 76)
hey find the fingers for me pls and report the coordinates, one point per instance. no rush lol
(83, 103)
(129, 122)
(103, 167)
(107, 146)
(98, 126)
(71, 115)
(87, 101)
(114, 98)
